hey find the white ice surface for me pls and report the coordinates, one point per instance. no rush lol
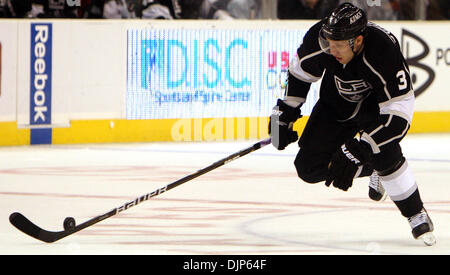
(254, 205)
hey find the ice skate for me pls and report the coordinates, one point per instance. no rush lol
(422, 227)
(376, 189)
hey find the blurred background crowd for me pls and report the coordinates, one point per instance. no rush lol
(221, 9)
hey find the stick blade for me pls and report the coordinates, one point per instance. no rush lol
(26, 226)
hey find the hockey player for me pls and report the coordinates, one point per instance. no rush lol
(366, 92)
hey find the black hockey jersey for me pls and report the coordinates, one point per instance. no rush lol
(379, 71)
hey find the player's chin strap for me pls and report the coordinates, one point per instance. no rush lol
(351, 42)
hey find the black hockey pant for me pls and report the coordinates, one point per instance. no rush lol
(323, 135)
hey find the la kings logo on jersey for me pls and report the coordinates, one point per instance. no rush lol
(352, 90)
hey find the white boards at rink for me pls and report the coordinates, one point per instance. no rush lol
(85, 81)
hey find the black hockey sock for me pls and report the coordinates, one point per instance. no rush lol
(411, 205)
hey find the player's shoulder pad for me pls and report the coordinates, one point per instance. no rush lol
(382, 50)
(313, 32)
(310, 41)
(381, 43)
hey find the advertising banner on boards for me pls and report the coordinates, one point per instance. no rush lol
(207, 73)
(41, 82)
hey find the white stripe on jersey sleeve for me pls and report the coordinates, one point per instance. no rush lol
(296, 69)
(402, 106)
(294, 101)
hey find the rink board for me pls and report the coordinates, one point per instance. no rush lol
(115, 130)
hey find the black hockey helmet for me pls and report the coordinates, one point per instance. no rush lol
(344, 23)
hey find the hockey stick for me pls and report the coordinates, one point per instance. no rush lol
(29, 228)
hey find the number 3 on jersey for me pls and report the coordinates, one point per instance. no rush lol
(402, 81)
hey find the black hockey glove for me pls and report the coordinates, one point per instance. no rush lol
(281, 123)
(346, 162)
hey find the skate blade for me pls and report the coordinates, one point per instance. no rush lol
(428, 238)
